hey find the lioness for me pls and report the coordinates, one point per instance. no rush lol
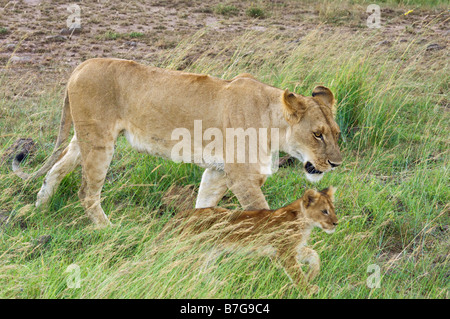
(105, 97)
(282, 233)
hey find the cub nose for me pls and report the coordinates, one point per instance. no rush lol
(335, 224)
(334, 164)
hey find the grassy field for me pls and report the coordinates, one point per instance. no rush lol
(393, 187)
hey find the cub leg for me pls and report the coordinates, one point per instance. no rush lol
(212, 188)
(95, 160)
(70, 159)
(310, 257)
(292, 268)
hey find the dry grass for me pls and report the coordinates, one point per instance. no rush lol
(392, 198)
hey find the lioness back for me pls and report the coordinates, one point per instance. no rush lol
(149, 103)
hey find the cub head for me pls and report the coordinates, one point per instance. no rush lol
(319, 208)
(313, 133)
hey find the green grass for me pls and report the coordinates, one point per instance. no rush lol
(226, 10)
(109, 35)
(135, 34)
(256, 12)
(392, 198)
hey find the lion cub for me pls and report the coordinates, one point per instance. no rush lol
(281, 233)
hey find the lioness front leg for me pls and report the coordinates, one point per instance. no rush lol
(247, 188)
(212, 188)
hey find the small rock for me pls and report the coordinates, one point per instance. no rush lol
(56, 38)
(131, 43)
(384, 42)
(70, 31)
(20, 59)
(434, 46)
(294, 41)
(10, 46)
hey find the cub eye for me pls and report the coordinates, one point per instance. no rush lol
(318, 135)
(325, 212)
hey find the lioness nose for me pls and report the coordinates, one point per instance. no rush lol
(335, 224)
(334, 164)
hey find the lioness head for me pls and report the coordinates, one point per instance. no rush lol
(319, 208)
(313, 134)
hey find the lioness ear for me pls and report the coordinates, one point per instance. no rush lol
(293, 107)
(325, 95)
(310, 197)
(330, 192)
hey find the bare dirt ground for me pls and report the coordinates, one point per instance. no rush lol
(36, 48)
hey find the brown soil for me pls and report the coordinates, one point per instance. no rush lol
(37, 48)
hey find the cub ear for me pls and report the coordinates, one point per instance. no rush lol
(310, 197)
(293, 107)
(324, 95)
(330, 192)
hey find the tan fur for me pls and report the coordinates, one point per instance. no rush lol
(106, 97)
(282, 233)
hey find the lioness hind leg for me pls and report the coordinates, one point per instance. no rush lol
(69, 160)
(247, 188)
(95, 160)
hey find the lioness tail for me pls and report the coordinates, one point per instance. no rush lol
(64, 131)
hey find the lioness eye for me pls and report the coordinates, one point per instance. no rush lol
(318, 135)
(325, 212)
